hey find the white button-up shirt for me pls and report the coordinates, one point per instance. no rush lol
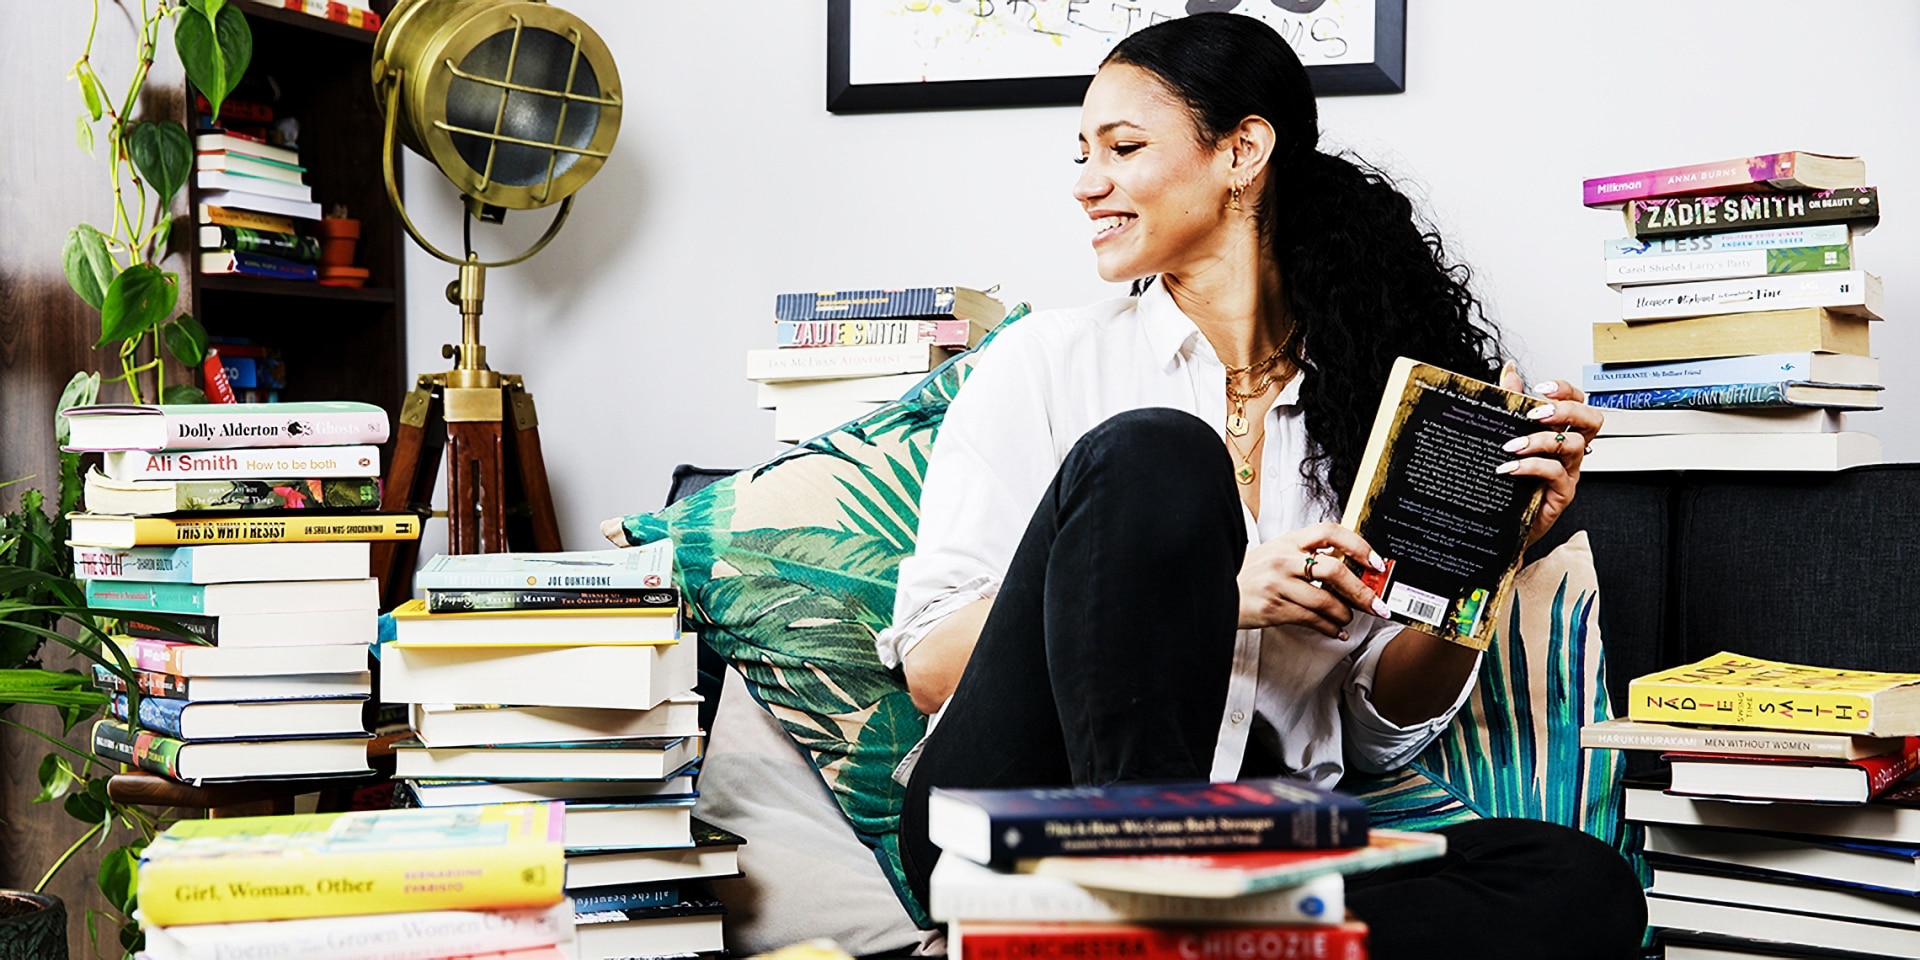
(1041, 385)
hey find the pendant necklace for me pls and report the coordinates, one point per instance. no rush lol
(1237, 424)
(1246, 471)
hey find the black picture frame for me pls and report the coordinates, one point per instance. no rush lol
(1386, 74)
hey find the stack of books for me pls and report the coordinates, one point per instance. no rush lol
(841, 354)
(1744, 317)
(565, 677)
(256, 373)
(232, 549)
(1156, 872)
(353, 13)
(251, 193)
(464, 882)
(1787, 821)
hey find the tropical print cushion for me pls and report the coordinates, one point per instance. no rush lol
(789, 571)
(1514, 749)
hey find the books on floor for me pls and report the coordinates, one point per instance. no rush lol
(839, 355)
(1787, 819)
(1740, 297)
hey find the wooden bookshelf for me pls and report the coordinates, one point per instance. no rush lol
(338, 343)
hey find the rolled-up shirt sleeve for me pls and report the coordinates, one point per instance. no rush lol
(991, 462)
(1375, 744)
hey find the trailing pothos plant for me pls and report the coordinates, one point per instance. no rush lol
(117, 270)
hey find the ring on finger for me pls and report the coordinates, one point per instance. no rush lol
(1559, 440)
(1306, 567)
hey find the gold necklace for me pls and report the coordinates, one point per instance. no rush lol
(1237, 424)
(1246, 471)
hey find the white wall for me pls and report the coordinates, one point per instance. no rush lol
(731, 183)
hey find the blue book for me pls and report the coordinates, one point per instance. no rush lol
(1832, 369)
(222, 599)
(157, 714)
(884, 304)
(998, 827)
(632, 896)
(1739, 396)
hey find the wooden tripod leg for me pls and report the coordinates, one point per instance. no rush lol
(418, 445)
(532, 466)
(476, 488)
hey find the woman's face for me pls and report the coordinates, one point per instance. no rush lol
(1156, 195)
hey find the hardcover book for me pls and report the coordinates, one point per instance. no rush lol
(242, 217)
(1729, 690)
(690, 927)
(1655, 423)
(632, 896)
(459, 793)
(989, 940)
(1831, 369)
(959, 334)
(1791, 170)
(1224, 875)
(194, 660)
(1853, 292)
(999, 827)
(415, 627)
(216, 599)
(653, 758)
(1624, 734)
(464, 600)
(107, 530)
(1791, 778)
(1729, 335)
(1741, 396)
(235, 464)
(151, 497)
(961, 302)
(257, 720)
(425, 935)
(473, 724)
(364, 862)
(285, 246)
(715, 853)
(208, 426)
(634, 568)
(1893, 817)
(226, 562)
(963, 890)
(297, 686)
(631, 677)
(1878, 865)
(222, 761)
(1426, 477)
(1858, 206)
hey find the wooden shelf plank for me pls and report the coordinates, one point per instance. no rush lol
(291, 288)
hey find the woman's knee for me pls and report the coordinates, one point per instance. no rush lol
(1153, 451)
(1588, 883)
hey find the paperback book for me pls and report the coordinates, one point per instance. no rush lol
(631, 677)
(1226, 875)
(1730, 690)
(297, 686)
(775, 364)
(1799, 452)
(1791, 778)
(208, 426)
(963, 890)
(1868, 865)
(1426, 477)
(1625, 267)
(221, 761)
(653, 758)
(108, 530)
(1624, 734)
(426, 935)
(1754, 396)
(457, 793)
(238, 464)
(472, 724)
(637, 896)
(688, 927)
(240, 217)
(226, 562)
(1653, 423)
(194, 660)
(648, 567)
(1680, 216)
(256, 720)
(1853, 292)
(466, 600)
(1830, 369)
(916, 302)
(1892, 817)
(415, 627)
(235, 630)
(244, 264)
(959, 334)
(991, 940)
(1811, 329)
(715, 853)
(216, 599)
(152, 497)
(1790, 170)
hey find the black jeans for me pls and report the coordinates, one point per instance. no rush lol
(1106, 659)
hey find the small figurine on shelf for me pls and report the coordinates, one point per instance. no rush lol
(339, 235)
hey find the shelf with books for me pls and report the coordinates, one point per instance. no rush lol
(281, 288)
(258, 11)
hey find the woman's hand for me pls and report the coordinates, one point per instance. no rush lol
(1555, 453)
(1301, 577)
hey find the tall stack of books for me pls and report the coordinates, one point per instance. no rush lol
(252, 191)
(464, 882)
(841, 354)
(1744, 317)
(565, 677)
(1784, 825)
(1156, 872)
(230, 541)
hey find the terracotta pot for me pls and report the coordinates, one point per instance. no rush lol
(338, 237)
(33, 926)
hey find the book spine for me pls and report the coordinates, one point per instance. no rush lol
(1679, 216)
(1089, 941)
(1764, 368)
(168, 566)
(389, 936)
(272, 268)
(1282, 827)
(312, 493)
(229, 889)
(1782, 238)
(864, 304)
(355, 462)
(1732, 396)
(621, 580)
(1000, 897)
(258, 186)
(165, 598)
(443, 600)
(589, 900)
(236, 217)
(1717, 741)
(1692, 178)
(165, 531)
(1622, 271)
(824, 362)
(286, 246)
(1737, 334)
(1842, 291)
(151, 684)
(155, 754)
(1789, 710)
(193, 629)
(861, 333)
(158, 715)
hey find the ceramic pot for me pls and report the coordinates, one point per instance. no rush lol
(338, 238)
(33, 926)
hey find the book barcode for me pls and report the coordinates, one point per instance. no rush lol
(1416, 604)
(1423, 609)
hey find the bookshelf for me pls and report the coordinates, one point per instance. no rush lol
(338, 343)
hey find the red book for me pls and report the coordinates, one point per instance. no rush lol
(1791, 778)
(1077, 941)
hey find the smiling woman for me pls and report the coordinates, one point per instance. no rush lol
(1115, 577)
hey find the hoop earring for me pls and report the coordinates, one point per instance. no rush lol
(1233, 197)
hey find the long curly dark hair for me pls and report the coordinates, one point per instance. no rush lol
(1365, 281)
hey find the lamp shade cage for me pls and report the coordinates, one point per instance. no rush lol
(516, 101)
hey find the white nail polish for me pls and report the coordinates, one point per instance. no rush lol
(1514, 445)
(1374, 561)
(1539, 413)
(1547, 387)
(1508, 467)
(1380, 609)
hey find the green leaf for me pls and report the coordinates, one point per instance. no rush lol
(84, 808)
(215, 47)
(140, 297)
(186, 339)
(90, 91)
(79, 391)
(84, 135)
(56, 778)
(119, 877)
(161, 232)
(182, 393)
(89, 268)
(163, 153)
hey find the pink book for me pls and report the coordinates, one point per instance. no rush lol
(1793, 170)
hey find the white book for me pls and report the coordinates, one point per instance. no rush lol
(1814, 452)
(1678, 259)
(260, 203)
(1756, 923)
(614, 934)
(222, 599)
(279, 189)
(1853, 292)
(207, 426)
(425, 935)
(210, 142)
(635, 825)
(630, 677)
(415, 627)
(223, 760)
(1785, 894)
(461, 793)
(770, 396)
(1624, 734)
(628, 568)
(1832, 369)
(963, 890)
(292, 686)
(1652, 423)
(645, 759)
(473, 724)
(242, 165)
(822, 363)
(802, 422)
(653, 866)
(256, 720)
(1878, 821)
(227, 562)
(248, 464)
(239, 632)
(194, 660)
(1780, 854)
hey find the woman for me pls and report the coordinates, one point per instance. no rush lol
(1115, 576)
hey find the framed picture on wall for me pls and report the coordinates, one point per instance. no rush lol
(934, 54)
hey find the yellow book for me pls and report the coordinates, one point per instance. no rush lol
(1729, 690)
(498, 856)
(415, 627)
(120, 532)
(1725, 335)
